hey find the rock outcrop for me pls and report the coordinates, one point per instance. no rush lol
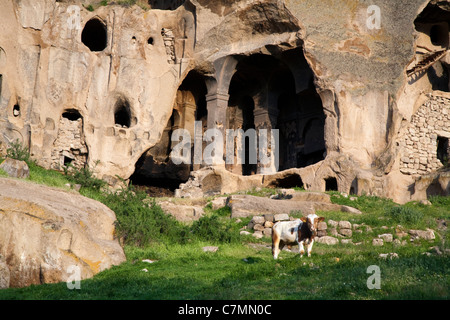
(357, 91)
(44, 231)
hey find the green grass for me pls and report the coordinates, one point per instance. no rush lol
(237, 271)
(243, 267)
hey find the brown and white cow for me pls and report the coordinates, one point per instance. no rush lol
(301, 231)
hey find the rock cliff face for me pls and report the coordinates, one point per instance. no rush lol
(340, 79)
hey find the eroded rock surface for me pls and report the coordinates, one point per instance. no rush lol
(44, 231)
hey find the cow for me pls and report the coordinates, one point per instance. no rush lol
(301, 231)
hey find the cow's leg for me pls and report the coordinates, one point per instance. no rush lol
(275, 245)
(301, 250)
(309, 247)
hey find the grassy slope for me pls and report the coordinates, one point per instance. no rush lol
(243, 270)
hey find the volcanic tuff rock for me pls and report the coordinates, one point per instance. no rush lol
(111, 85)
(44, 231)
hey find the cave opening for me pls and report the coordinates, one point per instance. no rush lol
(155, 172)
(122, 114)
(280, 95)
(94, 35)
(431, 42)
(165, 4)
(289, 181)
(16, 110)
(71, 114)
(331, 184)
(443, 150)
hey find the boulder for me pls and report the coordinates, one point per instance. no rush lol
(15, 168)
(281, 217)
(309, 196)
(210, 249)
(268, 224)
(44, 231)
(350, 210)
(248, 205)
(322, 226)
(219, 202)
(345, 225)
(426, 235)
(267, 232)
(345, 232)
(377, 242)
(184, 213)
(387, 237)
(328, 240)
(258, 220)
(258, 227)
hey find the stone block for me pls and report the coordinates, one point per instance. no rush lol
(281, 217)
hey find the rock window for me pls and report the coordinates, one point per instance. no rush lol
(94, 35)
(67, 160)
(443, 150)
(331, 184)
(165, 4)
(122, 114)
(72, 115)
(16, 110)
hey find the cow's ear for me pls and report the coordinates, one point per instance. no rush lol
(321, 219)
(303, 219)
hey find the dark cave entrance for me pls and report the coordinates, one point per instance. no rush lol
(443, 150)
(94, 35)
(278, 92)
(165, 4)
(331, 184)
(154, 171)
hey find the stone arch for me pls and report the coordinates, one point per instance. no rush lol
(94, 35)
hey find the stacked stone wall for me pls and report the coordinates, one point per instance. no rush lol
(420, 141)
(70, 144)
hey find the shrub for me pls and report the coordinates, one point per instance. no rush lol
(211, 228)
(84, 176)
(405, 215)
(139, 223)
(17, 151)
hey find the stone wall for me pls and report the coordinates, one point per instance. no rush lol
(69, 146)
(420, 140)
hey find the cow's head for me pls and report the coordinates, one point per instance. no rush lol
(312, 221)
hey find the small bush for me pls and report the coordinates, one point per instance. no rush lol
(17, 151)
(84, 176)
(211, 228)
(405, 215)
(139, 223)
